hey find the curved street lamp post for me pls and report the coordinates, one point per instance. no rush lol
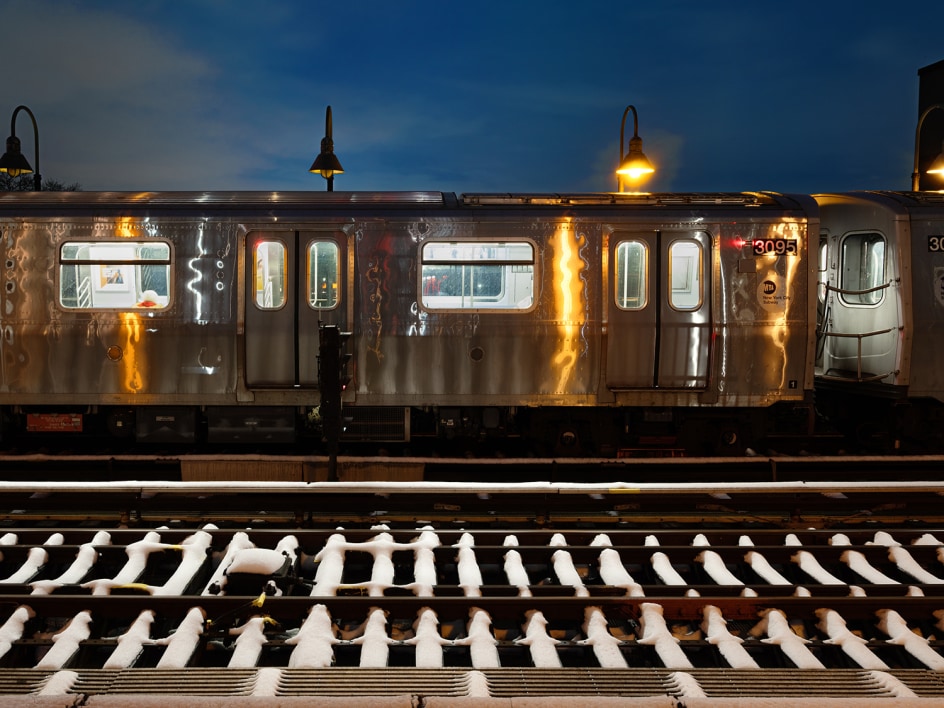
(13, 162)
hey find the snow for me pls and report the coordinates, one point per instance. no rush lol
(35, 559)
(833, 624)
(131, 643)
(685, 685)
(656, 634)
(373, 640)
(66, 642)
(514, 569)
(483, 647)
(774, 624)
(85, 558)
(182, 643)
(12, 629)
(60, 684)
(470, 576)
(606, 647)
(564, 568)
(330, 561)
(256, 561)
(267, 681)
(424, 563)
(250, 638)
(194, 550)
(427, 640)
(715, 628)
(614, 573)
(809, 565)
(715, 567)
(892, 685)
(894, 625)
(860, 565)
(663, 566)
(137, 553)
(314, 642)
(543, 647)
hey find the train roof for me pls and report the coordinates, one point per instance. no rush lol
(59, 203)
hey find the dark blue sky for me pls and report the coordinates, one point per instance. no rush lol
(477, 96)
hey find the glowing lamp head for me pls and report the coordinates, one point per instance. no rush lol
(937, 167)
(327, 163)
(13, 162)
(635, 164)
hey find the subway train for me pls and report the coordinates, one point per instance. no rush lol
(516, 324)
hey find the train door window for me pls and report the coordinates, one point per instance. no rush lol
(323, 263)
(862, 269)
(822, 279)
(481, 275)
(114, 275)
(270, 274)
(632, 288)
(685, 275)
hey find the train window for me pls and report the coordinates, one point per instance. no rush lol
(631, 267)
(477, 275)
(271, 273)
(685, 275)
(862, 269)
(114, 274)
(323, 258)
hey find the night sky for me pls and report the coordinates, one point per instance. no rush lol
(484, 96)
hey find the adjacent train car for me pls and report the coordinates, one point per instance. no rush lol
(881, 317)
(568, 324)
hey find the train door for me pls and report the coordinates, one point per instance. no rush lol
(293, 281)
(659, 328)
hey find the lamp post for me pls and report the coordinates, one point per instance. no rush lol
(13, 162)
(634, 164)
(327, 163)
(937, 166)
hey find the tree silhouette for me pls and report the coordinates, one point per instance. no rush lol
(24, 183)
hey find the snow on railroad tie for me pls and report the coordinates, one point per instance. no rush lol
(564, 567)
(903, 559)
(760, 565)
(12, 630)
(470, 575)
(714, 564)
(132, 642)
(808, 564)
(729, 646)
(775, 625)
(655, 633)
(427, 640)
(183, 641)
(663, 566)
(314, 641)
(859, 564)
(514, 568)
(36, 558)
(834, 626)
(483, 647)
(900, 634)
(65, 643)
(606, 647)
(543, 646)
(612, 570)
(85, 558)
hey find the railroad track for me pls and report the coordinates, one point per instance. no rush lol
(423, 592)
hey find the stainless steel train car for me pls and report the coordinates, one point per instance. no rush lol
(565, 324)
(880, 336)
